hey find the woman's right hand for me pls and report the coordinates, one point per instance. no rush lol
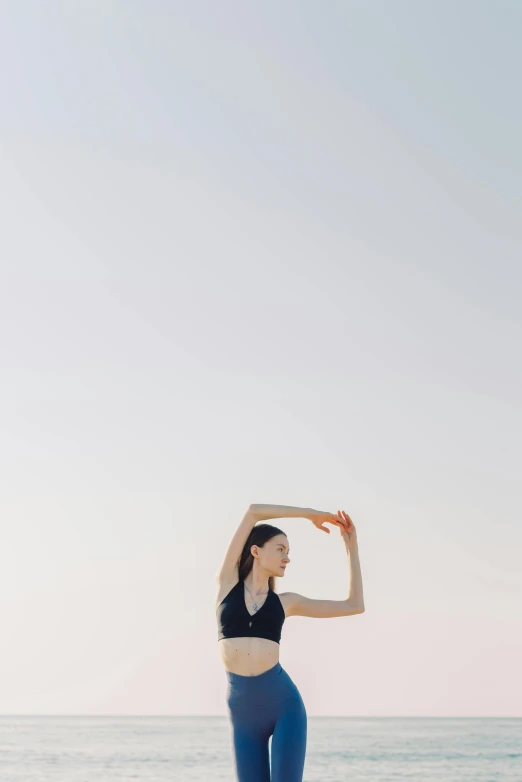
(319, 518)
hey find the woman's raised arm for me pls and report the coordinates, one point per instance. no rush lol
(317, 517)
(354, 604)
(229, 567)
(265, 512)
(256, 512)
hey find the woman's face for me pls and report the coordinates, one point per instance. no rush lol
(273, 556)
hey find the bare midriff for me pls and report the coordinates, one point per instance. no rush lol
(248, 656)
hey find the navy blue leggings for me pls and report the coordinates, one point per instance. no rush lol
(259, 707)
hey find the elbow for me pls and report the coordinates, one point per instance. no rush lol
(355, 609)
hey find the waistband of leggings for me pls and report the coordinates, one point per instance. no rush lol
(236, 678)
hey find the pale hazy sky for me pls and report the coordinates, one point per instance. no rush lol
(260, 252)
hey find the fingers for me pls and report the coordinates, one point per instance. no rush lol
(341, 520)
(347, 520)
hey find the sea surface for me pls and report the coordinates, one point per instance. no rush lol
(190, 749)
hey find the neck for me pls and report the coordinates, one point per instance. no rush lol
(257, 582)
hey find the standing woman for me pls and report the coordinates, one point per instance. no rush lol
(262, 699)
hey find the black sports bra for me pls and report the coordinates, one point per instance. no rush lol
(235, 621)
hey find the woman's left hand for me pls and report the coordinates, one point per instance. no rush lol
(348, 533)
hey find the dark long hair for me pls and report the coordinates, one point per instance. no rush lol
(258, 537)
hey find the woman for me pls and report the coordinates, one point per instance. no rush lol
(262, 699)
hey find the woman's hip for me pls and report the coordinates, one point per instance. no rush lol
(264, 690)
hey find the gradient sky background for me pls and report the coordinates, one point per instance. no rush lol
(260, 252)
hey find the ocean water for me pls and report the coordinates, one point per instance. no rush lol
(190, 749)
